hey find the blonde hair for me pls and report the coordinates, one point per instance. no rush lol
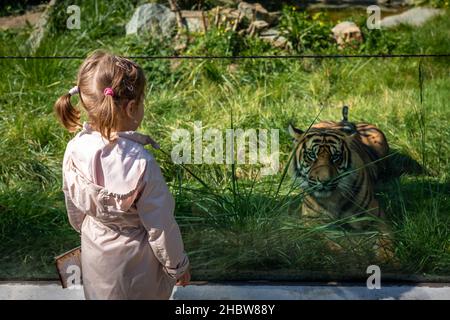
(99, 71)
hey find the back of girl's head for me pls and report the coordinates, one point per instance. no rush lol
(99, 71)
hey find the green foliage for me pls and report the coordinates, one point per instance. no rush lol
(382, 41)
(306, 33)
(217, 41)
(378, 41)
(161, 74)
(422, 227)
(17, 7)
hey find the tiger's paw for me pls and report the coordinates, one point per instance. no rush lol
(384, 251)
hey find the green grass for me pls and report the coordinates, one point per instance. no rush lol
(239, 224)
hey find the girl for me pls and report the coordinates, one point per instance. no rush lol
(116, 197)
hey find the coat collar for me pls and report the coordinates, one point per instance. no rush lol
(130, 135)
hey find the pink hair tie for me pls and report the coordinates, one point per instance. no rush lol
(108, 92)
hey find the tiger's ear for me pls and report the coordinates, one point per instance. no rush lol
(295, 133)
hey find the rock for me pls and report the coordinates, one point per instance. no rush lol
(275, 38)
(256, 27)
(255, 11)
(226, 17)
(260, 24)
(413, 17)
(194, 21)
(153, 18)
(30, 17)
(346, 32)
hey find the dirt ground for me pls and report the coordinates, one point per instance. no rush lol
(32, 17)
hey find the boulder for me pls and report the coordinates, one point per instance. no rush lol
(153, 18)
(256, 27)
(275, 38)
(194, 21)
(255, 11)
(414, 17)
(346, 32)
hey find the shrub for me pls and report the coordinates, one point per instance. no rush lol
(305, 32)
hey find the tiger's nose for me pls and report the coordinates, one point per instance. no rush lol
(322, 174)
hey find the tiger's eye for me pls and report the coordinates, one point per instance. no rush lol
(336, 156)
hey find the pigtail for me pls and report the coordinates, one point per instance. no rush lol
(67, 114)
(107, 118)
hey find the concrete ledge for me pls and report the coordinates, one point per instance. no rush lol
(53, 291)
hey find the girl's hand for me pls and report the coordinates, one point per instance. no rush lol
(184, 279)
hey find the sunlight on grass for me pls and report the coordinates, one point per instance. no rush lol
(239, 221)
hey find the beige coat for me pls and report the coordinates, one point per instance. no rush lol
(131, 246)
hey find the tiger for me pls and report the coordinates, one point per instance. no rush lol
(338, 164)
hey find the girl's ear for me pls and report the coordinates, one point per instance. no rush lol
(130, 108)
(295, 133)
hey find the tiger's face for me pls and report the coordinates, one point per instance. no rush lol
(321, 159)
